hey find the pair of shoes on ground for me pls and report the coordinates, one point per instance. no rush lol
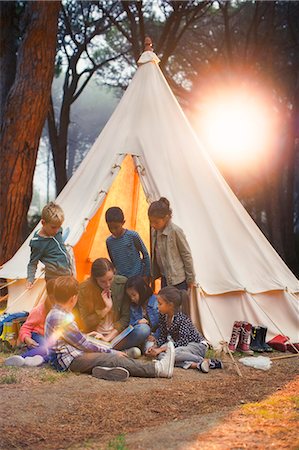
(208, 364)
(163, 368)
(28, 361)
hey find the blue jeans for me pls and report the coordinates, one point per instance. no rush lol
(40, 350)
(136, 338)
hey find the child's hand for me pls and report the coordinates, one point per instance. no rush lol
(143, 321)
(29, 285)
(153, 351)
(30, 342)
(151, 338)
(119, 353)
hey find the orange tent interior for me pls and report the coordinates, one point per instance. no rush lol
(127, 193)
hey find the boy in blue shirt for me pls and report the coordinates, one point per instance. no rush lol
(48, 247)
(126, 249)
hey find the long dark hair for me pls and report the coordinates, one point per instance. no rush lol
(174, 296)
(143, 289)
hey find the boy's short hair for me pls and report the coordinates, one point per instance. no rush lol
(53, 213)
(50, 285)
(114, 214)
(65, 288)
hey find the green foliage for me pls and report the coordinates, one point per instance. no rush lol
(9, 376)
(48, 375)
(118, 443)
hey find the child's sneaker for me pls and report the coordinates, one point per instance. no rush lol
(204, 366)
(15, 360)
(33, 361)
(133, 352)
(110, 373)
(164, 367)
(216, 364)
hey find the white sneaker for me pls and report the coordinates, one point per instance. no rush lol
(204, 366)
(133, 352)
(110, 373)
(164, 367)
(15, 360)
(33, 361)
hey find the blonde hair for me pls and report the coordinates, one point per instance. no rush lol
(52, 213)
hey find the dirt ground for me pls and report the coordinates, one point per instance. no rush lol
(219, 410)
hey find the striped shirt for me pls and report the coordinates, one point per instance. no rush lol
(129, 254)
(64, 339)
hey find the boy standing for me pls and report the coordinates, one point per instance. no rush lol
(125, 247)
(47, 246)
(69, 348)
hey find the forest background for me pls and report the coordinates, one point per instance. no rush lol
(64, 65)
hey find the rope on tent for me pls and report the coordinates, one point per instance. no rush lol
(26, 289)
(280, 331)
(223, 343)
(8, 284)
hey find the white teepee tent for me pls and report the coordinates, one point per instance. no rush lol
(239, 274)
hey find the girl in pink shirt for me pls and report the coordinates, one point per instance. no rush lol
(32, 334)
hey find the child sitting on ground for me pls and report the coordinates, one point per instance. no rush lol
(47, 246)
(190, 345)
(125, 247)
(70, 349)
(144, 307)
(32, 334)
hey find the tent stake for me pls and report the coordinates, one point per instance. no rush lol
(227, 350)
(284, 356)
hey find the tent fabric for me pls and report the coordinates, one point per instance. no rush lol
(230, 252)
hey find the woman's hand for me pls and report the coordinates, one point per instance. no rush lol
(96, 335)
(107, 298)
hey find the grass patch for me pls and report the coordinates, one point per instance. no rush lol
(118, 443)
(48, 375)
(10, 377)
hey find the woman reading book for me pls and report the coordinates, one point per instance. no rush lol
(104, 306)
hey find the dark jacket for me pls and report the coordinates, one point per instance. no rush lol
(90, 301)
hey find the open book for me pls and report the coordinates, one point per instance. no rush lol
(114, 341)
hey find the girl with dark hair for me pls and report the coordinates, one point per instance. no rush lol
(171, 254)
(144, 305)
(190, 345)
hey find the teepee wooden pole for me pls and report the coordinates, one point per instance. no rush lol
(233, 360)
(275, 358)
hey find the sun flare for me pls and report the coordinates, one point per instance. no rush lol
(236, 127)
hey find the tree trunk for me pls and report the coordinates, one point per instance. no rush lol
(24, 116)
(8, 51)
(58, 141)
